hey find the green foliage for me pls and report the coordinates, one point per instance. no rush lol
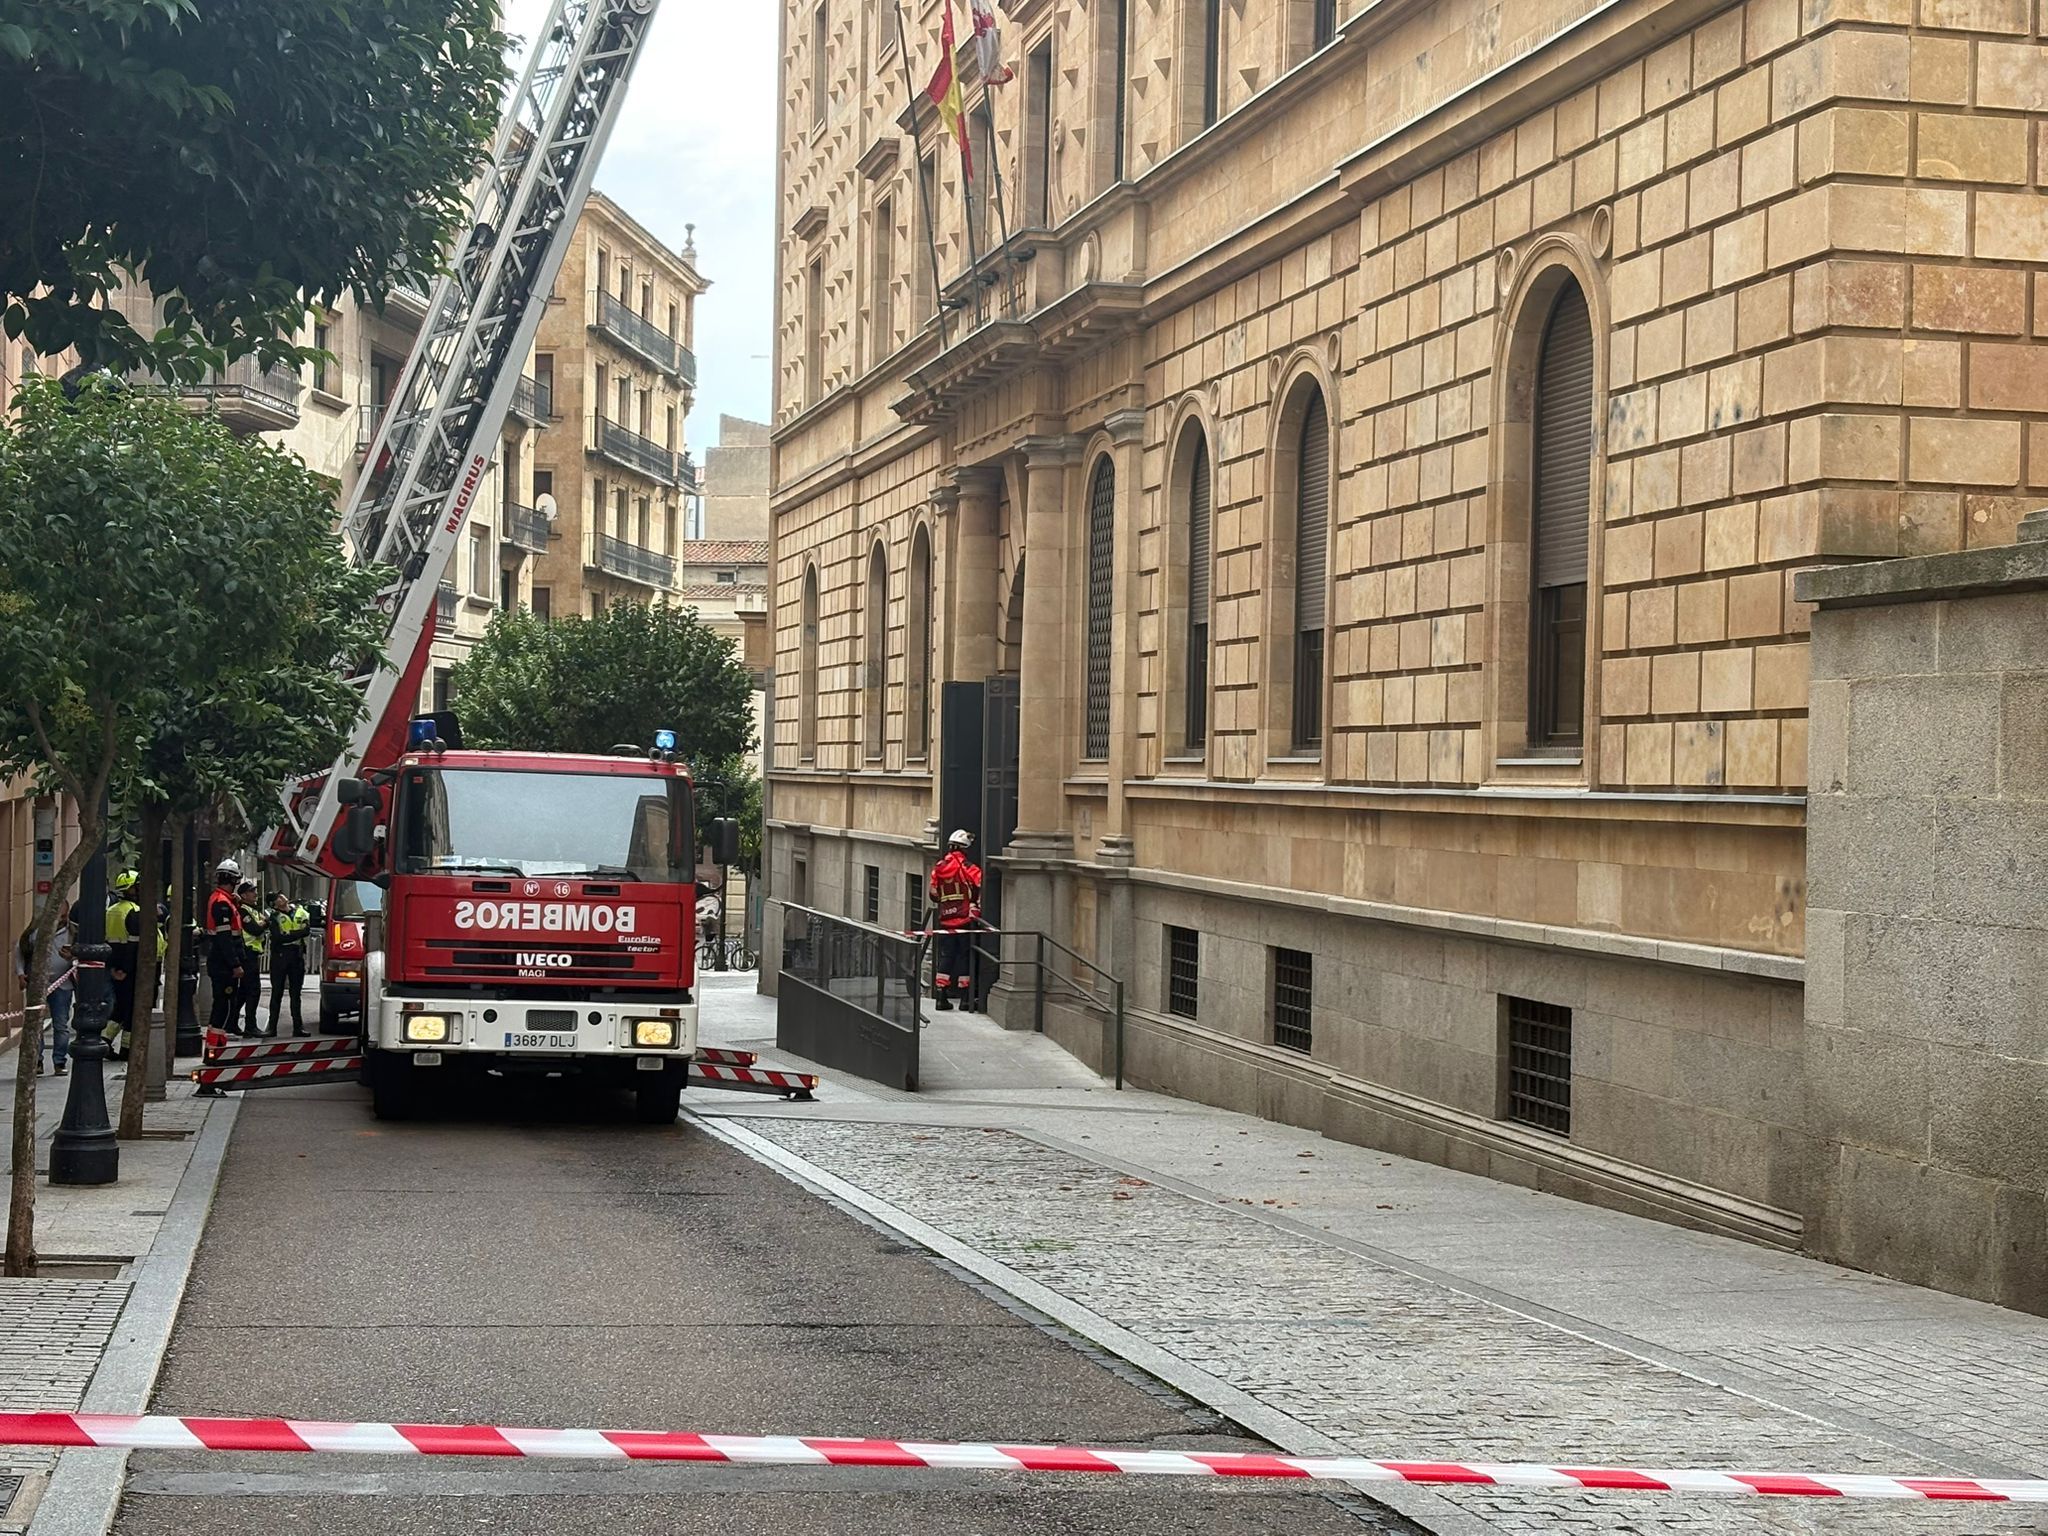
(587, 685)
(241, 157)
(171, 601)
(732, 788)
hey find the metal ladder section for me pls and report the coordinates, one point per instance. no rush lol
(438, 435)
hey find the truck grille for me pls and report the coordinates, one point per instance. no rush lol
(495, 958)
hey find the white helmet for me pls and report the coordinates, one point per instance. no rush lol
(228, 867)
(962, 838)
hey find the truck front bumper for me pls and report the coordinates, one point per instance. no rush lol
(533, 1036)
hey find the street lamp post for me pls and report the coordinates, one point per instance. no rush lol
(84, 1150)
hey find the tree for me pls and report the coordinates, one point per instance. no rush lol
(243, 158)
(588, 685)
(279, 709)
(153, 561)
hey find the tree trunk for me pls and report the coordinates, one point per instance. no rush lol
(174, 955)
(142, 1037)
(20, 1257)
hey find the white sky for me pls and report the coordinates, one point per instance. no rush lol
(696, 145)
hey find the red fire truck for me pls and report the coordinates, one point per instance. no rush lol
(536, 921)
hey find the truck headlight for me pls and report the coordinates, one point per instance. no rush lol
(426, 1028)
(654, 1033)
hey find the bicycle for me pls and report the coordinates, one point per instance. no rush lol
(736, 954)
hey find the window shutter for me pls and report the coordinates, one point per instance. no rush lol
(1564, 443)
(1101, 565)
(1198, 536)
(1312, 516)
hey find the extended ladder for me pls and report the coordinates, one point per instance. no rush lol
(436, 441)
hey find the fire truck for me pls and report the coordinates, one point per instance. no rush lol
(537, 909)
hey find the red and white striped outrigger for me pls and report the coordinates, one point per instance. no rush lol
(244, 1064)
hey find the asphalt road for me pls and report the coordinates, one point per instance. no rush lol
(512, 1266)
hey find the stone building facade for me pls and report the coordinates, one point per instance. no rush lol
(615, 359)
(1371, 447)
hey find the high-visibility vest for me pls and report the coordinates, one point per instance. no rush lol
(252, 929)
(223, 912)
(121, 922)
(290, 928)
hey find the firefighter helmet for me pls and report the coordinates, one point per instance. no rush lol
(125, 881)
(961, 839)
(228, 867)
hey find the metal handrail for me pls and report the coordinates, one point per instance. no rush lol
(1042, 969)
(635, 562)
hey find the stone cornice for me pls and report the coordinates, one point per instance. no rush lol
(879, 156)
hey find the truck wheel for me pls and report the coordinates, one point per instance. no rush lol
(393, 1094)
(657, 1103)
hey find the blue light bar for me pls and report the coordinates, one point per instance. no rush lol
(421, 733)
(664, 741)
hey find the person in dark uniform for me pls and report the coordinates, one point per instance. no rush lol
(289, 925)
(254, 925)
(125, 945)
(227, 957)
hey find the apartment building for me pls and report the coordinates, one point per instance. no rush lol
(615, 355)
(1335, 514)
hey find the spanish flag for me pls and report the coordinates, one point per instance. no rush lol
(945, 94)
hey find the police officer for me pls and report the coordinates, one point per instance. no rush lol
(955, 890)
(254, 925)
(125, 944)
(289, 925)
(227, 957)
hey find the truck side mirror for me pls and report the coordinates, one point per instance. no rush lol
(725, 841)
(355, 792)
(355, 834)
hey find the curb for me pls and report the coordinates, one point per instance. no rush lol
(85, 1491)
(1432, 1513)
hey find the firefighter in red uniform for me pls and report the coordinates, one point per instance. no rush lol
(226, 953)
(955, 888)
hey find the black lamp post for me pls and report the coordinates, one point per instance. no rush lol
(190, 1041)
(84, 1150)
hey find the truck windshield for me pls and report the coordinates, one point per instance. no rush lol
(500, 822)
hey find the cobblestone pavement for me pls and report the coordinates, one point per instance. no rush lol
(1395, 1365)
(55, 1329)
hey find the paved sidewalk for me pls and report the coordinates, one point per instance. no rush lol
(95, 1312)
(1400, 1310)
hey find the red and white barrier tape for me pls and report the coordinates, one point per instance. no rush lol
(752, 1079)
(157, 1432)
(228, 1077)
(220, 1052)
(718, 1055)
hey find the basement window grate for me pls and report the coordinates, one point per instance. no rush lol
(1540, 1065)
(1293, 996)
(1183, 966)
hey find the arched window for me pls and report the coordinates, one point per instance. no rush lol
(807, 672)
(1191, 487)
(1561, 484)
(875, 668)
(917, 648)
(1101, 593)
(1311, 548)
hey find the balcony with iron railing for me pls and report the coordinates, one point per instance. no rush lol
(533, 401)
(247, 396)
(629, 450)
(525, 528)
(638, 334)
(444, 605)
(633, 562)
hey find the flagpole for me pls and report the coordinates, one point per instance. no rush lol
(931, 239)
(995, 167)
(967, 185)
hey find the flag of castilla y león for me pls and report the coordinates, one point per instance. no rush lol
(944, 90)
